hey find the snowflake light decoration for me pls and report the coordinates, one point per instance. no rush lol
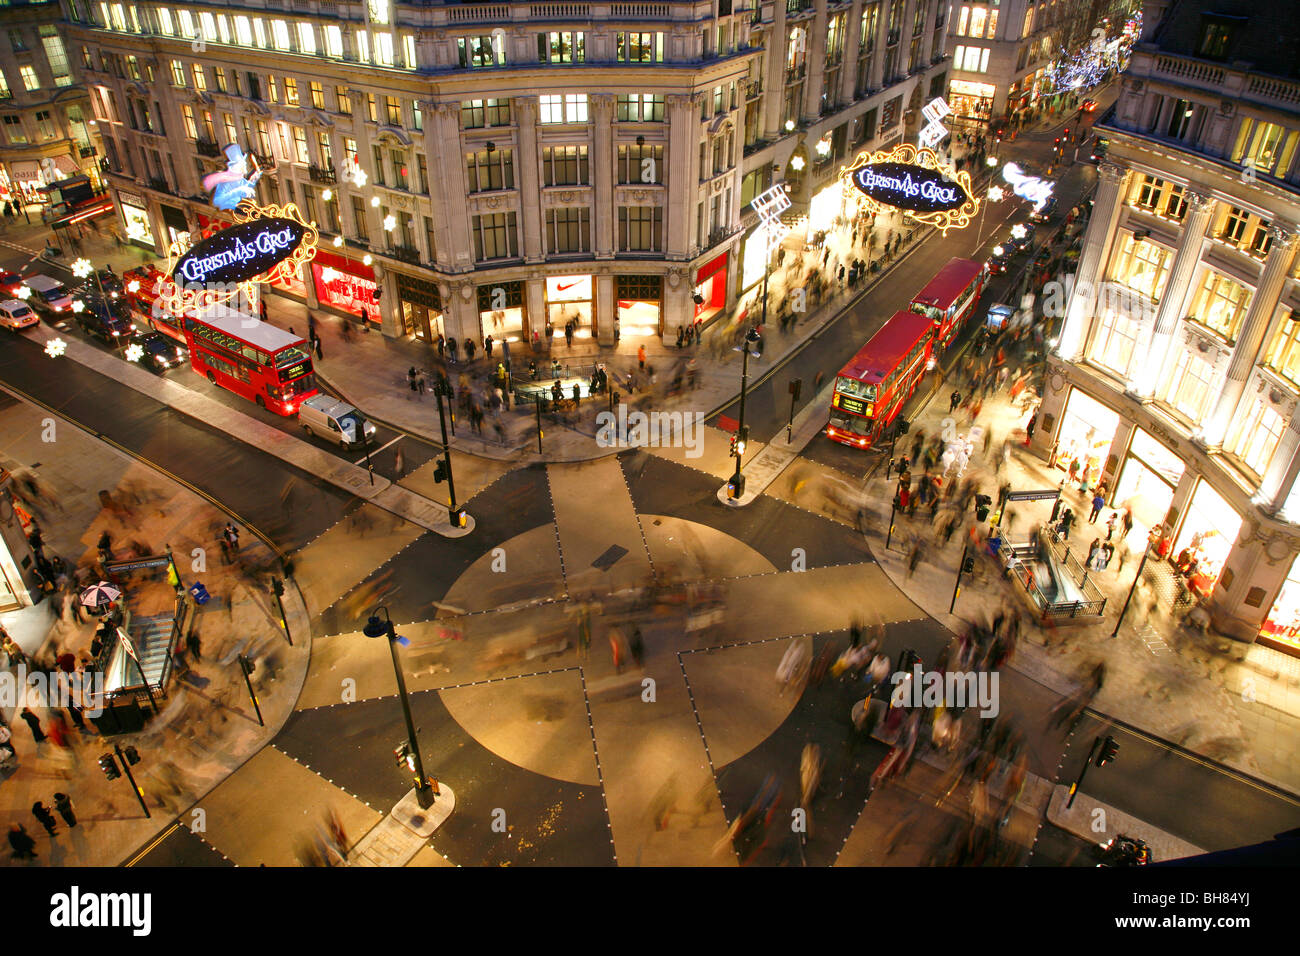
(134, 352)
(55, 347)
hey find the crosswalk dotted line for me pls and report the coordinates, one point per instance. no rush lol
(699, 724)
(441, 687)
(559, 545)
(600, 773)
(305, 764)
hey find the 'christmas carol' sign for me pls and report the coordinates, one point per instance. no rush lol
(914, 181)
(241, 252)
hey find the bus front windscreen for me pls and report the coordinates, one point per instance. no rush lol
(927, 310)
(851, 386)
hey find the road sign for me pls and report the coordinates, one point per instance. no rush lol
(1034, 495)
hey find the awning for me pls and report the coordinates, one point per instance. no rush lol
(66, 165)
(24, 169)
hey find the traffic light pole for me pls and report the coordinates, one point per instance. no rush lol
(246, 668)
(1146, 553)
(737, 479)
(453, 512)
(277, 589)
(893, 508)
(424, 793)
(366, 440)
(1074, 787)
(956, 588)
(126, 768)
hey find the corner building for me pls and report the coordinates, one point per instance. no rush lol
(586, 161)
(1179, 379)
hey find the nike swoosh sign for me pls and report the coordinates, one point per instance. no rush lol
(565, 288)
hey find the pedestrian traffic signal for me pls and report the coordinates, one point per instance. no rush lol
(405, 756)
(440, 471)
(132, 755)
(982, 503)
(968, 564)
(109, 766)
(277, 587)
(736, 487)
(1109, 751)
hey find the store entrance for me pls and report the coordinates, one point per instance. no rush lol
(1208, 532)
(1083, 442)
(1146, 485)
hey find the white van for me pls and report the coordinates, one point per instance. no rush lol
(331, 418)
(49, 295)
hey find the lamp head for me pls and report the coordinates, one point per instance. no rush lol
(375, 627)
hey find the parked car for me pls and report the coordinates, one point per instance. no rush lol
(1000, 315)
(160, 352)
(16, 314)
(49, 296)
(331, 418)
(999, 261)
(105, 319)
(109, 281)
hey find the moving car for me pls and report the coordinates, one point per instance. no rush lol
(49, 296)
(1098, 151)
(1089, 106)
(15, 314)
(109, 281)
(9, 283)
(999, 316)
(331, 418)
(999, 261)
(160, 352)
(1047, 213)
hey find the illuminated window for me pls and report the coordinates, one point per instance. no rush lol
(30, 80)
(561, 47)
(187, 25)
(1283, 354)
(165, 23)
(392, 111)
(1191, 386)
(187, 115)
(280, 33)
(344, 98)
(208, 26)
(300, 145)
(259, 33)
(1266, 147)
(641, 108)
(1256, 436)
(56, 55)
(567, 108)
(317, 96)
(290, 91)
(639, 47)
(1220, 304)
(384, 49)
(178, 73)
(243, 31)
(334, 42)
(475, 52)
(306, 38)
(1141, 266)
(219, 74)
(200, 78)
(408, 51)
(1114, 341)
(481, 114)
(978, 17)
(487, 170)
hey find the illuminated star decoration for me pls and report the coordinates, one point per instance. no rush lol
(78, 305)
(133, 286)
(55, 347)
(1018, 231)
(82, 268)
(390, 222)
(328, 275)
(134, 352)
(23, 292)
(136, 230)
(354, 173)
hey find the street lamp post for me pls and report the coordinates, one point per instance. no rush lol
(425, 789)
(752, 339)
(441, 390)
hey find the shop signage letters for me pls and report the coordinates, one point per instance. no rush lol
(241, 252)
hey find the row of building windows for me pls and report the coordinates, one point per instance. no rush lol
(496, 235)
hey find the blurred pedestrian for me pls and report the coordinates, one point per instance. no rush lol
(24, 846)
(63, 804)
(34, 723)
(42, 813)
(638, 647)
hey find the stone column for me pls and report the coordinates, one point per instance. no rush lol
(1283, 469)
(1114, 463)
(1177, 290)
(774, 82)
(535, 301)
(530, 190)
(605, 307)
(877, 71)
(448, 189)
(389, 303)
(815, 64)
(304, 273)
(602, 172)
(683, 146)
(1092, 262)
(1251, 337)
(849, 56)
(437, 199)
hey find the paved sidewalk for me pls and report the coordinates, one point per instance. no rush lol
(207, 727)
(1229, 701)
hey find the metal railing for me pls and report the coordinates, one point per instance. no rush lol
(207, 147)
(322, 174)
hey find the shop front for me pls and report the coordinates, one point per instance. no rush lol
(711, 287)
(1208, 531)
(135, 219)
(503, 311)
(1281, 629)
(344, 284)
(1147, 480)
(24, 180)
(640, 305)
(1083, 441)
(971, 101)
(15, 553)
(178, 228)
(569, 299)
(418, 301)
(825, 208)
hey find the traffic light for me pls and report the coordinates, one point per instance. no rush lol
(902, 426)
(968, 564)
(405, 758)
(982, 503)
(1109, 751)
(132, 755)
(440, 471)
(109, 766)
(742, 439)
(277, 587)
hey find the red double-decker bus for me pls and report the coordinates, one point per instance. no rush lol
(950, 298)
(871, 389)
(141, 284)
(250, 357)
